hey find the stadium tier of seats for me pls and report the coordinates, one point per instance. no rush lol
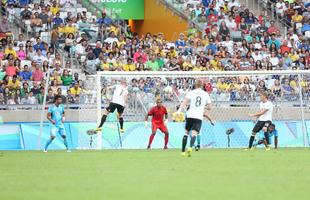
(68, 41)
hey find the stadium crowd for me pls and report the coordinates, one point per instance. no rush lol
(234, 40)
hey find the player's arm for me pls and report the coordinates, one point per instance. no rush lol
(147, 117)
(166, 117)
(263, 111)
(49, 117)
(125, 98)
(208, 106)
(150, 113)
(63, 117)
(183, 104)
(206, 115)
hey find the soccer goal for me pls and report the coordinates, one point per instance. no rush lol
(234, 94)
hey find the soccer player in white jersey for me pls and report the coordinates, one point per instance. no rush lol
(118, 103)
(197, 100)
(264, 120)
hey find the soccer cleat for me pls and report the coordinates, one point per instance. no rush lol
(68, 151)
(189, 151)
(267, 148)
(98, 129)
(197, 148)
(183, 154)
(121, 130)
(148, 147)
(249, 149)
(165, 147)
(44, 150)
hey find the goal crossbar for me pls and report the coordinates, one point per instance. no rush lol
(193, 74)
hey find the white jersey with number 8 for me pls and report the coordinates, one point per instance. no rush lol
(198, 100)
(119, 95)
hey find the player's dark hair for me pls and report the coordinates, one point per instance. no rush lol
(272, 125)
(56, 97)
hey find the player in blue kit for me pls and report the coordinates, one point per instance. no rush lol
(56, 116)
(273, 133)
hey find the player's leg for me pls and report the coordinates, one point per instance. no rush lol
(164, 130)
(195, 131)
(63, 134)
(120, 111)
(103, 118)
(259, 142)
(52, 137)
(198, 142)
(266, 134)
(275, 142)
(154, 129)
(261, 138)
(106, 112)
(188, 127)
(258, 126)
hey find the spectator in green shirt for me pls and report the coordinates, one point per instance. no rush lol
(66, 78)
(160, 61)
(2, 74)
(40, 96)
(152, 64)
(25, 89)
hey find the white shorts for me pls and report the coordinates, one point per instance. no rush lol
(60, 130)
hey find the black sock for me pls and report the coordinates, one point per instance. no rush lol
(267, 137)
(121, 122)
(184, 141)
(103, 118)
(193, 139)
(251, 141)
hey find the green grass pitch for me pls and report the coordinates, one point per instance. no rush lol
(232, 174)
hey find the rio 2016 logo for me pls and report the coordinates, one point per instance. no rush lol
(109, 1)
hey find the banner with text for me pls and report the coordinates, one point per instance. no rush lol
(121, 9)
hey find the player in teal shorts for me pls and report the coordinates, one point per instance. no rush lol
(56, 116)
(273, 133)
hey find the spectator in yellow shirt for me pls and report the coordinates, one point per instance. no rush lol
(105, 66)
(61, 28)
(198, 67)
(129, 66)
(10, 50)
(297, 18)
(173, 52)
(178, 117)
(221, 85)
(187, 65)
(54, 8)
(14, 84)
(76, 89)
(70, 28)
(215, 63)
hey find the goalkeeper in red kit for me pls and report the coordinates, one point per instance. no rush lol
(158, 113)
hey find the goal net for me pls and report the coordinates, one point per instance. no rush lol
(234, 96)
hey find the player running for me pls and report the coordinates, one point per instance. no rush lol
(158, 113)
(272, 132)
(198, 99)
(264, 120)
(56, 116)
(118, 103)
